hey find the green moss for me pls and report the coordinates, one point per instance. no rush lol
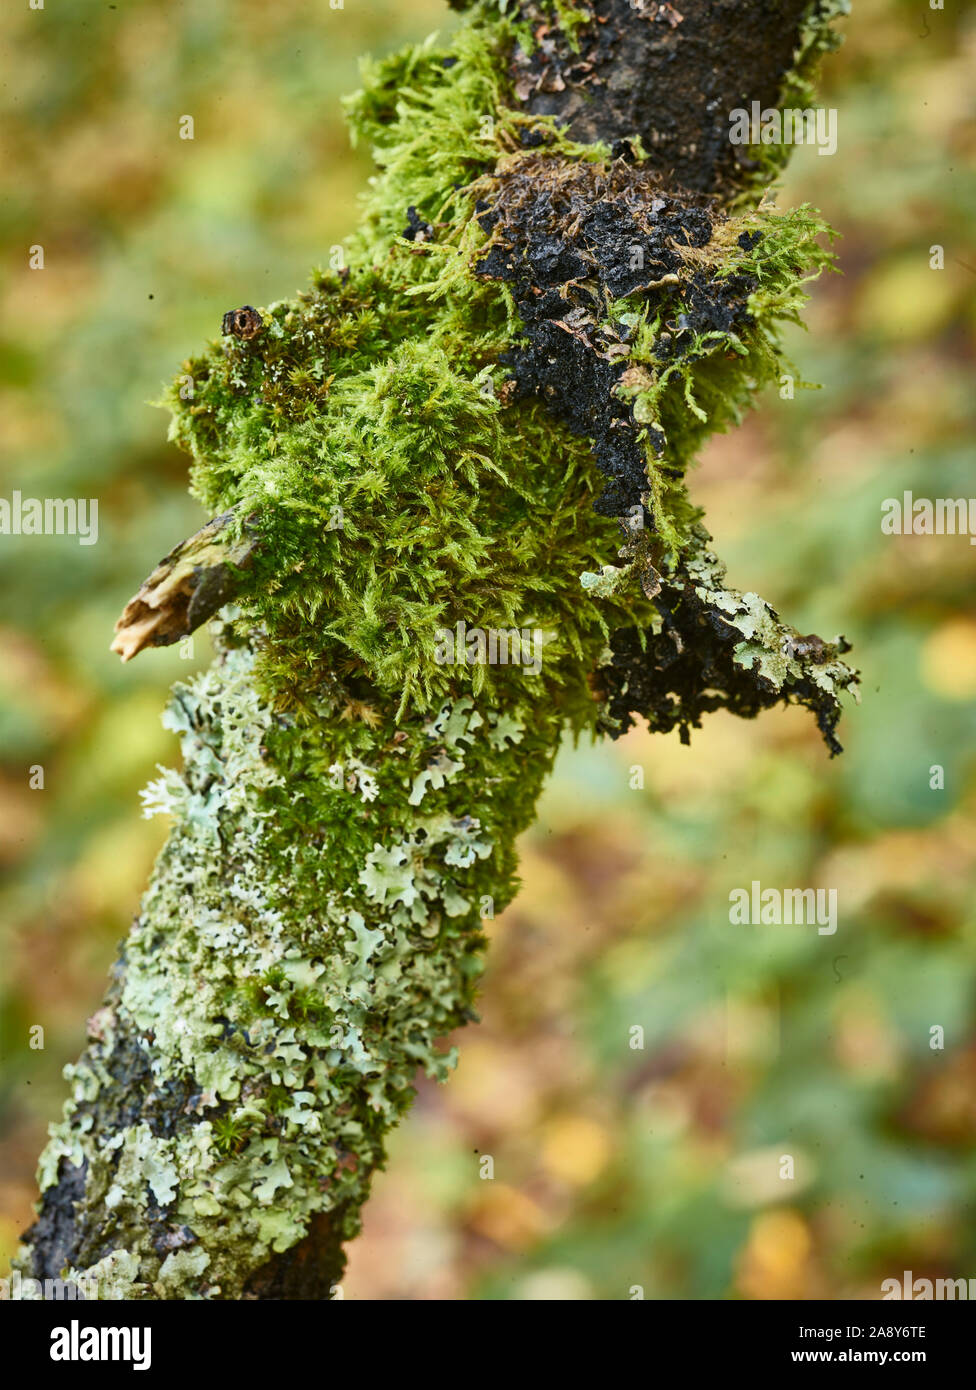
(707, 379)
(402, 499)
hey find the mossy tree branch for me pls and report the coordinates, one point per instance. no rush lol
(564, 282)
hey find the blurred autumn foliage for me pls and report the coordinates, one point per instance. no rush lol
(615, 1165)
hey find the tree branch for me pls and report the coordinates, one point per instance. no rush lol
(355, 771)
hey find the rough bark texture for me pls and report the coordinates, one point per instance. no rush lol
(670, 74)
(347, 814)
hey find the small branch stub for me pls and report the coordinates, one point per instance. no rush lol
(186, 588)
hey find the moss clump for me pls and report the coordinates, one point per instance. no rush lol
(651, 319)
(405, 499)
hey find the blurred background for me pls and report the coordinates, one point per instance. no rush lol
(617, 1167)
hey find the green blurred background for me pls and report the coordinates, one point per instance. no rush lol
(614, 1167)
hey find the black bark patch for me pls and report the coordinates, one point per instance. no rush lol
(128, 1095)
(309, 1270)
(669, 73)
(53, 1236)
(687, 670)
(416, 229)
(569, 239)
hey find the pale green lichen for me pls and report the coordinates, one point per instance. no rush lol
(296, 978)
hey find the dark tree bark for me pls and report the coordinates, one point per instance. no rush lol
(670, 73)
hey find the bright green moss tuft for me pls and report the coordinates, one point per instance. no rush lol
(695, 383)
